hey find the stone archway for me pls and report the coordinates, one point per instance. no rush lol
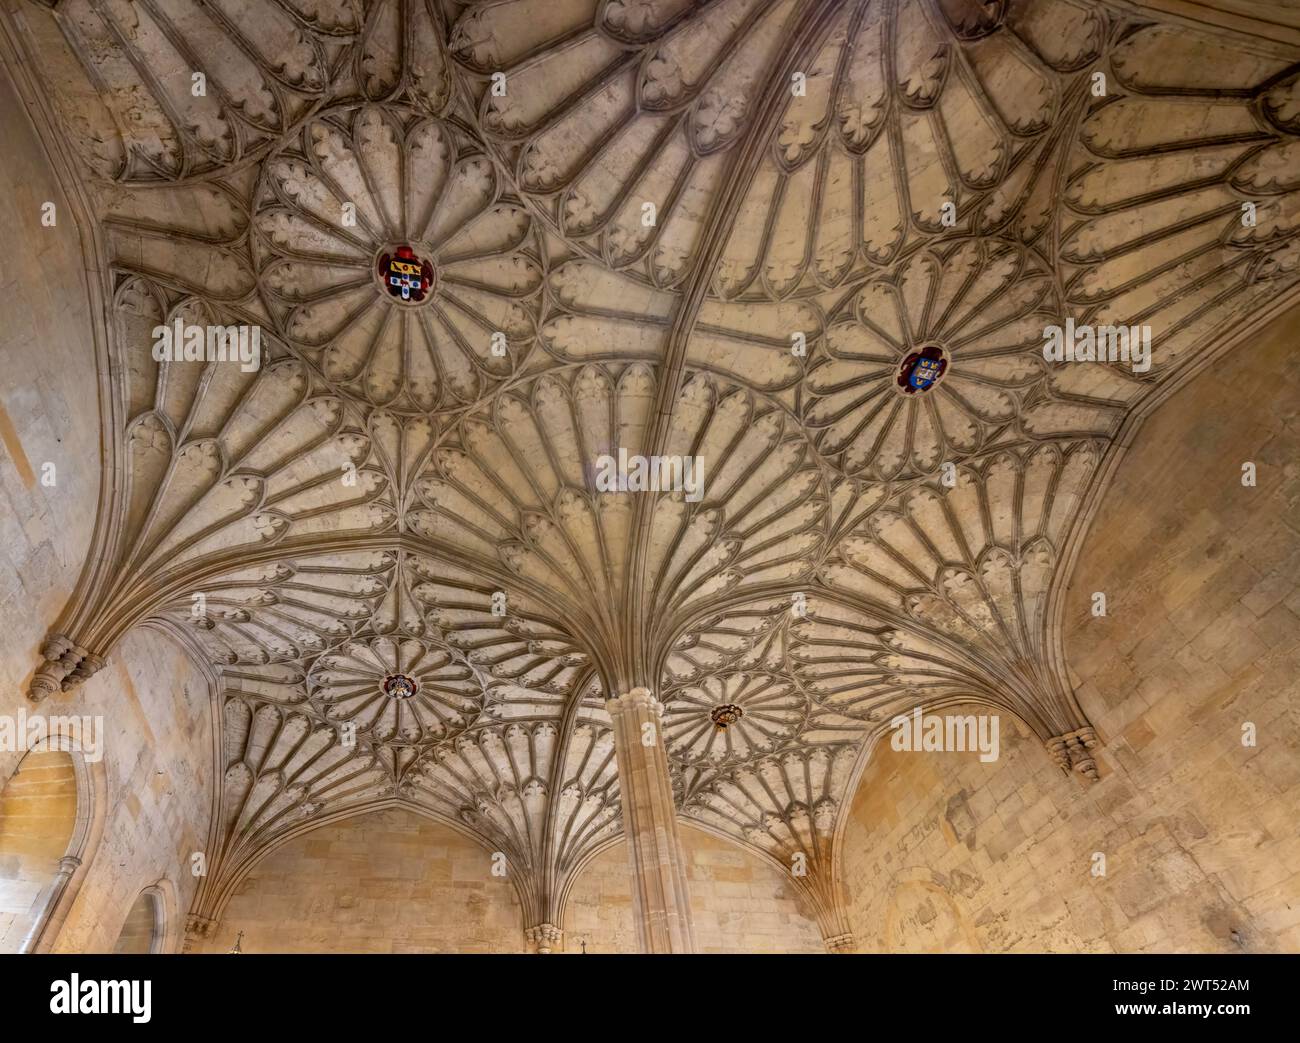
(49, 809)
(145, 928)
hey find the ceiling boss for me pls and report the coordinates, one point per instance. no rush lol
(405, 275)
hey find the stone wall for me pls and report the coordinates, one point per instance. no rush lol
(49, 408)
(739, 903)
(385, 882)
(157, 722)
(154, 799)
(1202, 637)
(150, 722)
(394, 881)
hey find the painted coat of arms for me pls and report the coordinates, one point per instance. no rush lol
(921, 370)
(405, 275)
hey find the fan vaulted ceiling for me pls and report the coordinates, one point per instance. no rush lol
(947, 174)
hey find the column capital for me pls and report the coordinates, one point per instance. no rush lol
(197, 929)
(544, 937)
(635, 698)
(841, 943)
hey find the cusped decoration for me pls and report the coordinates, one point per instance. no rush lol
(862, 668)
(519, 486)
(910, 119)
(398, 690)
(393, 259)
(606, 108)
(1186, 207)
(732, 717)
(171, 91)
(400, 55)
(925, 365)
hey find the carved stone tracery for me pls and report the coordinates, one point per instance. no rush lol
(946, 178)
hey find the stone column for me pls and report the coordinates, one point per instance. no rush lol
(662, 902)
(48, 902)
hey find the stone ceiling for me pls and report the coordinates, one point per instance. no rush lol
(407, 487)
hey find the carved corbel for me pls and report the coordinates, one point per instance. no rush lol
(1072, 752)
(66, 666)
(197, 929)
(544, 937)
(841, 943)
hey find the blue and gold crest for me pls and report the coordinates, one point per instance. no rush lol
(922, 369)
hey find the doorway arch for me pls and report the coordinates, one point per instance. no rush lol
(145, 928)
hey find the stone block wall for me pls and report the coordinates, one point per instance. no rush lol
(155, 796)
(386, 882)
(739, 903)
(1200, 833)
(157, 726)
(49, 406)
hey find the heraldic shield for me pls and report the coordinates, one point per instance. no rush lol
(405, 275)
(921, 370)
